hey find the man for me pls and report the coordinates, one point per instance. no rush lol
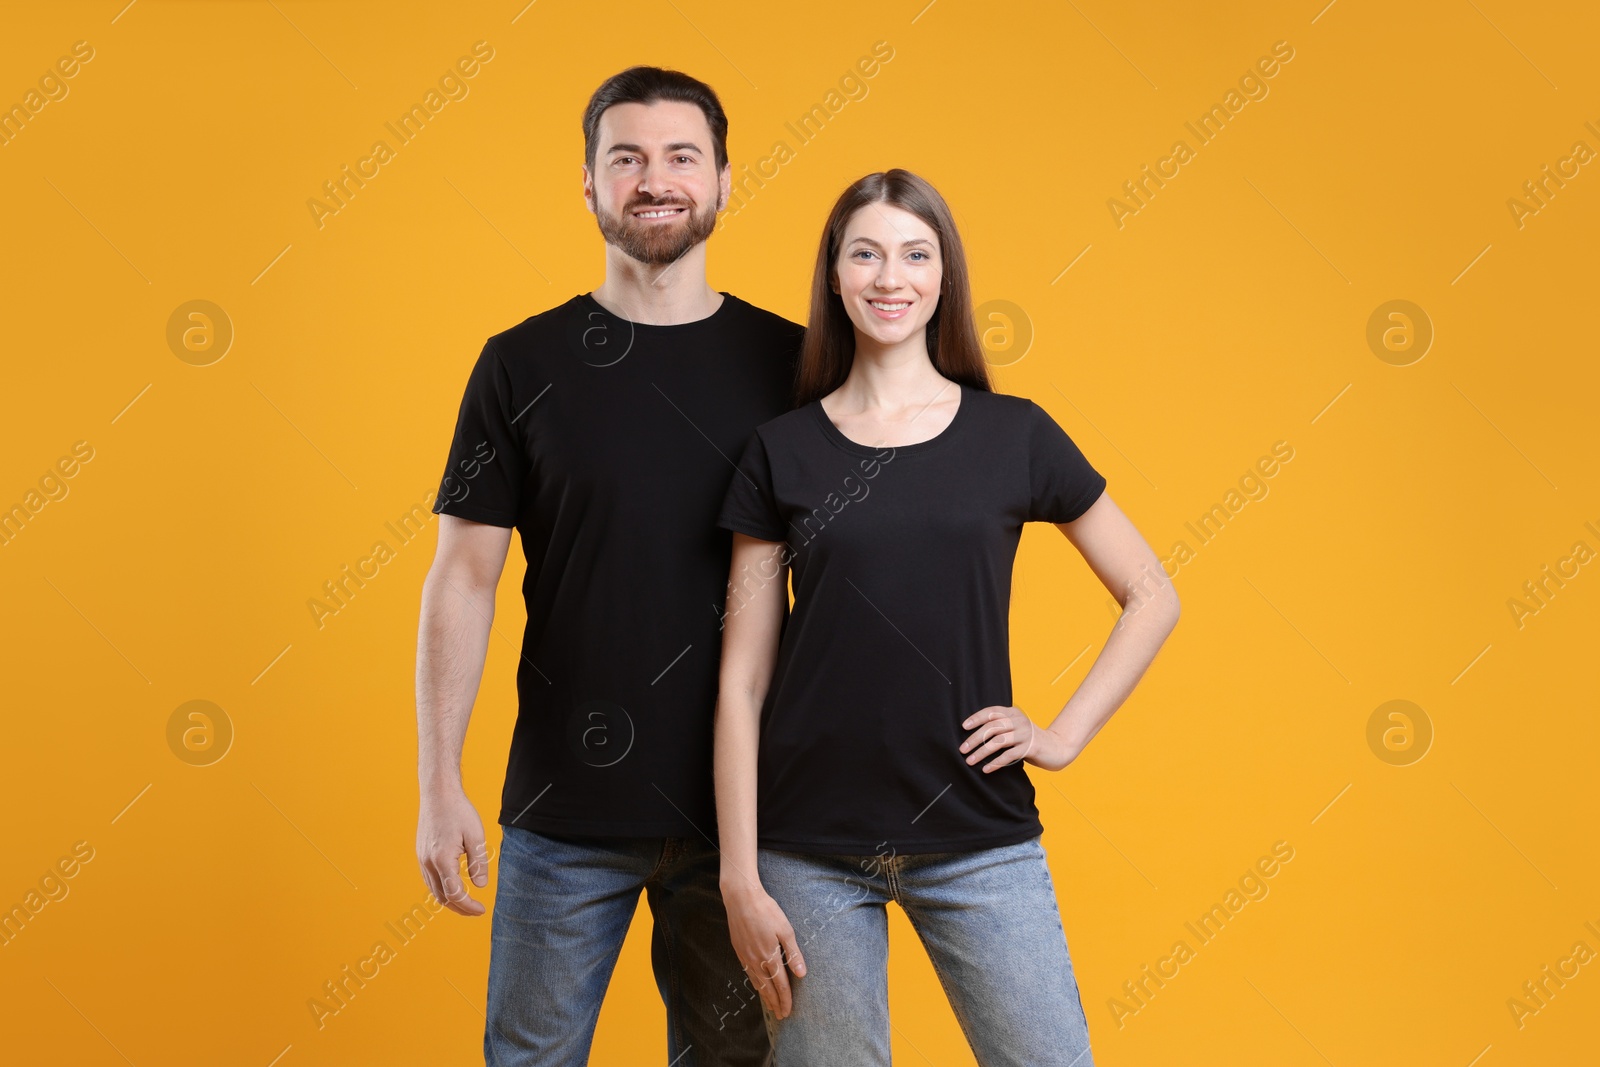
(604, 430)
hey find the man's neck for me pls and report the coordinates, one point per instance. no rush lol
(656, 295)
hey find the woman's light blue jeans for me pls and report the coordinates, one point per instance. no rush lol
(990, 923)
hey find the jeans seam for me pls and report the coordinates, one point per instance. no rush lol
(944, 982)
(664, 928)
(663, 858)
(675, 1009)
(1066, 948)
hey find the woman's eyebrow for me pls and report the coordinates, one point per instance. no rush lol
(875, 244)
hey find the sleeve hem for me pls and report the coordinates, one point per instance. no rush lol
(1077, 510)
(751, 529)
(472, 513)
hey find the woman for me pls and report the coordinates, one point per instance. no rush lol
(866, 749)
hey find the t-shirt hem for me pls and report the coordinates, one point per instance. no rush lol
(819, 847)
(600, 827)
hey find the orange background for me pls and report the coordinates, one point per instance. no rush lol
(1230, 312)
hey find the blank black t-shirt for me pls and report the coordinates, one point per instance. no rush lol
(901, 561)
(609, 445)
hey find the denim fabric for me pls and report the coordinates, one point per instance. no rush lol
(562, 908)
(989, 921)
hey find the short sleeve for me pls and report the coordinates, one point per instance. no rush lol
(750, 506)
(484, 475)
(1061, 482)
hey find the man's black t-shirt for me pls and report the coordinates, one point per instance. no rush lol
(609, 445)
(902, 560)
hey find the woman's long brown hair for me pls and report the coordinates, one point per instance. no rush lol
(830, 341)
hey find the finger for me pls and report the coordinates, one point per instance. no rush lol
(463, 901)
(994, 744)
(449, 890)
(780, 983)
(765, 988)
(456, 897)
(791, 952)
(983, 733)
(981, 716)
(1009, 756)
(439, 886)
(429, 879)
(478, 859)
(777, 980)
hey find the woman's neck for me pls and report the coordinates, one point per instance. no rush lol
(889, 379)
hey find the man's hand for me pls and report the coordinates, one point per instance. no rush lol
(448, 827)
(1015, 737)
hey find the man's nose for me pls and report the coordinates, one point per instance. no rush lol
(654, 181)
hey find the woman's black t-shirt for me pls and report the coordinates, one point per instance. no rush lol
(902, 563)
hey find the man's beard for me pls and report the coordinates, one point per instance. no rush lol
(652, 243)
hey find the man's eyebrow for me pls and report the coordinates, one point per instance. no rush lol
(676, 146)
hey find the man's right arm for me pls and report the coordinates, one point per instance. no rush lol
(452, 641)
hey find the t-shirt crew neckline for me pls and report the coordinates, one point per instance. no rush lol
(836, 435)
(716, 318)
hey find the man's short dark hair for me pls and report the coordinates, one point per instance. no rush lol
(647, 85)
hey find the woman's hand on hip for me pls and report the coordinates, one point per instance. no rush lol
(765, 944)
(1009, 736)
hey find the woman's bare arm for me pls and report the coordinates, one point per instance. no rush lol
(1125, 565)
(751, 626)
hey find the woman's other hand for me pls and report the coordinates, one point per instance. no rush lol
(1009, 736)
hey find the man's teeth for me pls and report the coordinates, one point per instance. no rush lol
(881, 306)
(659, 214)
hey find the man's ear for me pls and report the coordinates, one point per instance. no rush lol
(588, 189)
(725, 186)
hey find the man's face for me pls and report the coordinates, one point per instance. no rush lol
(655, 189)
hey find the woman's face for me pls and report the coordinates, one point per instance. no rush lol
(888, 273)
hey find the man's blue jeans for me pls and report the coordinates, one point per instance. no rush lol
(990, 923)
(562, 908)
